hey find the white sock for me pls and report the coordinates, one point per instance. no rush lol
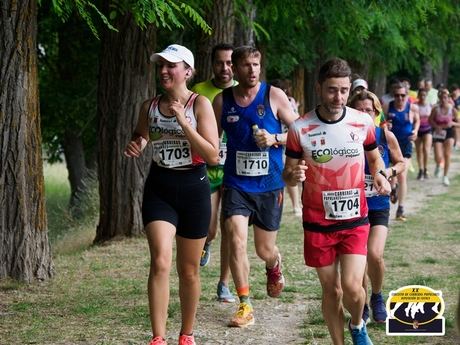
(358, 327)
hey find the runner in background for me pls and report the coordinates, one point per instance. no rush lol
(412, 93)
(404, 120)
(388, 97)
(432, 93)
(443, 119)
(379, 205)
(357, 86)
(424, 137)
(221, 59)
(421, 84)
(455, 94)
(293, 191)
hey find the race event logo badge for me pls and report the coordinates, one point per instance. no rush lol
(261, 110)
(415, 310)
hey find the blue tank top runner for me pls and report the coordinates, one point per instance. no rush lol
(237, 123)
(400, 120)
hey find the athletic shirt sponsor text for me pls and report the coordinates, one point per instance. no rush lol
(171, 148)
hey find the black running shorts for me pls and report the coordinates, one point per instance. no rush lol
(450, 133)
(263, 209)
(179, 197)
(379, 217)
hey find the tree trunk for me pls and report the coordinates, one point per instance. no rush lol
(311, 99)
(70, 37)
(441, 74)
(24, 248)
(378, 84)
(125, 81)
(445, 70)
(263, 61)
(76, 166)
(298, 87)
(222, 21)
(427, 71)
(244, 34)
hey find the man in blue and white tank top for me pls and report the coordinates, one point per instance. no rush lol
(251, 114)
(405, 121)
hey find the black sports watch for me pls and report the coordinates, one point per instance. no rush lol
(393, 172)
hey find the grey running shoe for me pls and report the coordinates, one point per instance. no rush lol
(224, 294)
(205, 254)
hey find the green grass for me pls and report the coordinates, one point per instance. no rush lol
(98, 295)
(67, 234)
(57, 193)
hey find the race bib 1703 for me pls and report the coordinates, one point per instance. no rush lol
(172, 153)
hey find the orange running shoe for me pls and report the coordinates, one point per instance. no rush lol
(275, 279)
(243, 317)
(158, 341)
(185, 339)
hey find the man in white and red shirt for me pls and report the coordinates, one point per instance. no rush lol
(325, 150)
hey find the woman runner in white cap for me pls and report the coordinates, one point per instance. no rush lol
(182, 128)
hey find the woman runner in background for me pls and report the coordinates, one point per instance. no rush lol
(443, 120)
(424, 138)
(379, 205)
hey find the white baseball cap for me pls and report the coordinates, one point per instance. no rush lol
(175, 53)
(359, 82)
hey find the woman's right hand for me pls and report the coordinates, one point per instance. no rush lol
(135, 147)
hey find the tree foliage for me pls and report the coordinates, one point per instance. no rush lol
(383, 36)
(68, 55)
(168, 14)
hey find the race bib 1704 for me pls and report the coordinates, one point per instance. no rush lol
(342, 204)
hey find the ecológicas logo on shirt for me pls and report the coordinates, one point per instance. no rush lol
(156, 133)
(324, 155)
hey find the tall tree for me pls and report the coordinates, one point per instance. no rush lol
(220, 16)
(125, 80)
(68, 79)
(298, 87)
(24, 247)
(244, 30)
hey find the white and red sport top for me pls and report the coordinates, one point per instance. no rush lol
(443, 120)
(333, 193)
(171, 148)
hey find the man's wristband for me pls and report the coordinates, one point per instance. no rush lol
(393, 172)
(383, 173)
(276, 138)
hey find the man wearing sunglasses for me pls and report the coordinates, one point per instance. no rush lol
(405, 121)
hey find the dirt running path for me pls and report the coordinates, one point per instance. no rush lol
(421, 191)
